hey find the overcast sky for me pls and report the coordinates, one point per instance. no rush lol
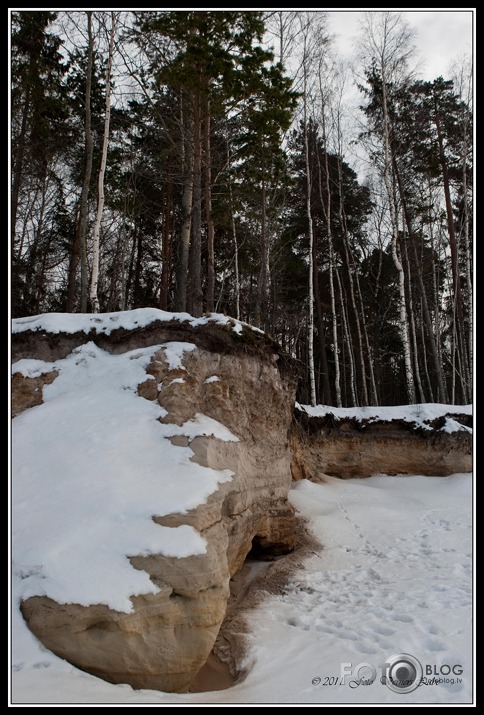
(441, 35)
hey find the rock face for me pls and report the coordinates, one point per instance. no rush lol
(239, 381)
(27, 391)
(348, 448)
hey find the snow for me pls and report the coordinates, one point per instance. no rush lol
(74, 498)
(200, 425)
(392, 575)
(418, 414)
(212, 378)
(175, 351)
(105, 323)
(32, 368)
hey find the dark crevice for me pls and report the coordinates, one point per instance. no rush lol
(265, 550)
(217, 674)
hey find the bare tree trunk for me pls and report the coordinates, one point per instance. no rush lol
(208, 214)
(425, 362)
(327, 210)
(312, 381)
(166, 247)
(18, 164)
(469, 310)
(461, 343)
(187, 205)
(423, 293)
(236, 260)
(436, 298)
(93, 291)
(412, 330)
(137, 297)
(124, 277)
(354, 396)
(117, 276)
(450, 217)
(464, 85)
(33, 196)
(374, 392)
(263, 282)
(37, 265)
(326, 397)
(195, 292)
(337, 383)
(129, 278)
(468, 260)
(387, 177)
(79, 244)
(349, 263)
(234, 237)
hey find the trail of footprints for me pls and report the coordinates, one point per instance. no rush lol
(369, 608)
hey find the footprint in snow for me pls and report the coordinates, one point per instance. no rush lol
(347, 636)
(384, 630)
(402, 618)
(434, 645)
(322, 628)
(367, 649)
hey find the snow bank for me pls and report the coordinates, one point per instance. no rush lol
(105, 323)
(419, 414)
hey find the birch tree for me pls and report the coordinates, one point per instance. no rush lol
(79, 248)
(387, 43)
(306, 57)
(93, 289)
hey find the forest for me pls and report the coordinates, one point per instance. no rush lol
(204, 161)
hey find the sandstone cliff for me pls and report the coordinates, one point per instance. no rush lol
(348, 447)
(239, 379)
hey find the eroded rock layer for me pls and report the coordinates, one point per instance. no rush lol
(240, 381)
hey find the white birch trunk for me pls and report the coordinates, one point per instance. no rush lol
(327, 213)
(312, 379)
(413, 331)
(93, 290)
(389, 185)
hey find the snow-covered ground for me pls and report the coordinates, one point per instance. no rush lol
(392, 575)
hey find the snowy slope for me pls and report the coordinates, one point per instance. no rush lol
(91, 466)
